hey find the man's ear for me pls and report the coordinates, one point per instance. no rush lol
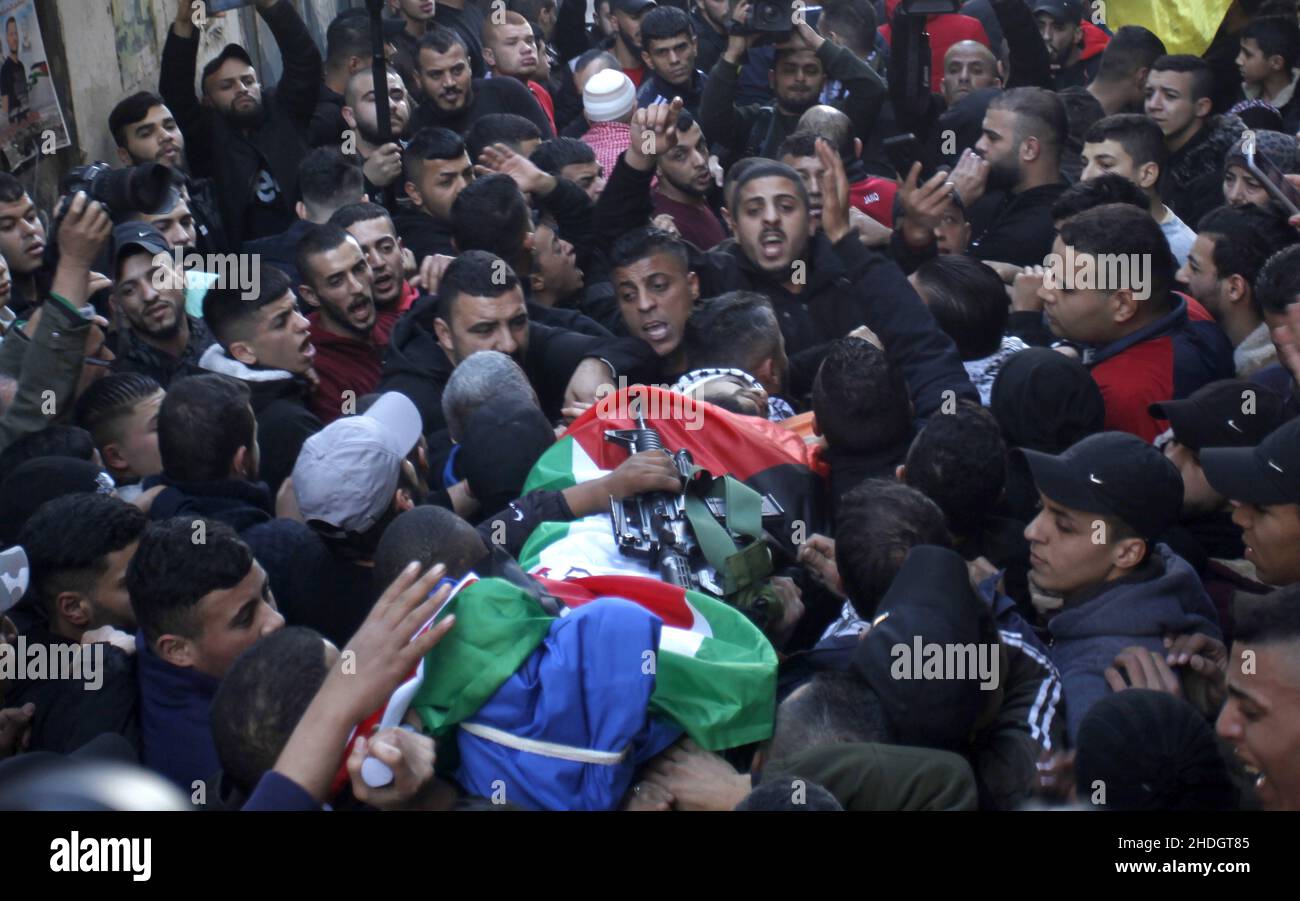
(356, 64)
(645, 60)
(402, 500)
(727, 220)
(530, 241)
(442, 332)
(1030, 149)
(308, 296)
(123, 156)
(1238, 287)
(241, 464)
(112, 456)
(1277, 63)
(1148, 175)
(489, 58)
(1125, 305)
(300, 210)
(900, 472)
(177, 651)
(857, 148)
(693, 286)
(350, 117)
(243, 352)
(72, 607)
(1130, 552)
(414, 194)
(536, 282)
(1203, 107)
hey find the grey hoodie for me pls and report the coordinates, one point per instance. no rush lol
(1087, 637)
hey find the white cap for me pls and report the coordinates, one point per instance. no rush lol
(608, 96)
(347, 472)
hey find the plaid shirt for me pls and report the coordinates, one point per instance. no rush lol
(609, 140)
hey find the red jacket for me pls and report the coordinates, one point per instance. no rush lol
(944, 31)
(343, 365)
(875, 197)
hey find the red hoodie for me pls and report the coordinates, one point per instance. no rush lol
(944, 31)
(342, 364)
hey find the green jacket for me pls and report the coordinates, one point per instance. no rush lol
(884, 777)
(47, 368)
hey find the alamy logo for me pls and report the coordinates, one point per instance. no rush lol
(103, 855)
(39, 662)
(234, 271)
(1108, 272)
(919, 660)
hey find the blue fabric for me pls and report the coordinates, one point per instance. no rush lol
(175, 714)
(1087, 638)
(585, 686)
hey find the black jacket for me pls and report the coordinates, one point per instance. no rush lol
(1193, 180)
(758, 130)
(281, 251)
(491, 95)
(416, 365)
(847, 286)
(284, 420)
(210, 231)
(133, 355)
(327, 123)
(1019, 228)
(422, 234)
(230, 158)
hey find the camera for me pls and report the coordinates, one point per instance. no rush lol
(141, 188)
(766, 17)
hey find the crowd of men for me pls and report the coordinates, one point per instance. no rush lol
(1035, 319)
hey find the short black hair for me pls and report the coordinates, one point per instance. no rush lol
(1140, 137)
(587, 57)
(68, 541)
(172, 571)
(477, 273)
(530, 9)
(860, 398)
(798, 144)
(1130, 50)
(440, 39)
(52, 441)
(347, 36)
(261, 699)
(1040, 113)
(129, 111)
(852, 20)
(1276, 36)
(664, 22)
(1278, 283)
(317, 239)
(787, 793)
(11, 189)
(326, 177)
(735, 330)
(203, 421)
(491, 214)
(228, 315)
(1245, 238)
(1104, 190)
(108, 401)
(1273, 618)
(876, 525)
(1202, 74)
(644, 242)
(553, 155)
(833, 708)
(500, 128)
(959, 461)
(968, 300)
(431, 143)
(350, 215)
(1122, 229)
(427, 535)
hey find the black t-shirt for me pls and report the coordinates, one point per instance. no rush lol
(13, 85)
(267, 212)
(491, 95)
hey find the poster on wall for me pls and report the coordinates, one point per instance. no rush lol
(31, 121)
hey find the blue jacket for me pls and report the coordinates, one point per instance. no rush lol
(1167, 598)
(175, 718)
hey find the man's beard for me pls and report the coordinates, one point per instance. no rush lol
(798, 107)
(147, 327)
(629, 45)
(372, 136)
(245, 119)
(1004, 175)
(686, 187)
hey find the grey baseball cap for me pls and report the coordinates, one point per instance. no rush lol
(13, 577)
(347, 472)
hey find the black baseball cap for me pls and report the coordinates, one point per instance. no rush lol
(230, 51)
(132, 235)
(1114, 474)
(1226, 413)
(1265, 476)
(632, 7)
(1070, 11)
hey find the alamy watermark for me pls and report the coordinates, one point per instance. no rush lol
(662, 404)
(233, 271)
(1108, 272)
(39, 662)
(950, 661)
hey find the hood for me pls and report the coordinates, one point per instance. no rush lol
(173, 687)
(215, 359)
(1171, 602)
(1252, 91)
(241, 505)
(1094, 41)
(413, 349)
(1046, 401)
(1172, 322)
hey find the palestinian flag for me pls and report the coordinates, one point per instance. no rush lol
(714, 671)
(770, 459)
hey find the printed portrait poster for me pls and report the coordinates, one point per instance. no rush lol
(29, 109)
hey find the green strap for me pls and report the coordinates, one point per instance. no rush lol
(738, 568)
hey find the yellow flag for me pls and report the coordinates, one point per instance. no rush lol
(1186, 26)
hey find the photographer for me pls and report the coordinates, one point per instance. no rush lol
(61, 348)
(804, 63)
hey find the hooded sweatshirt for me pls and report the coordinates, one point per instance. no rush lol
(175, 718)
(1193, 183)
(1163, 597)
(343, 363)
(1285, 102)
